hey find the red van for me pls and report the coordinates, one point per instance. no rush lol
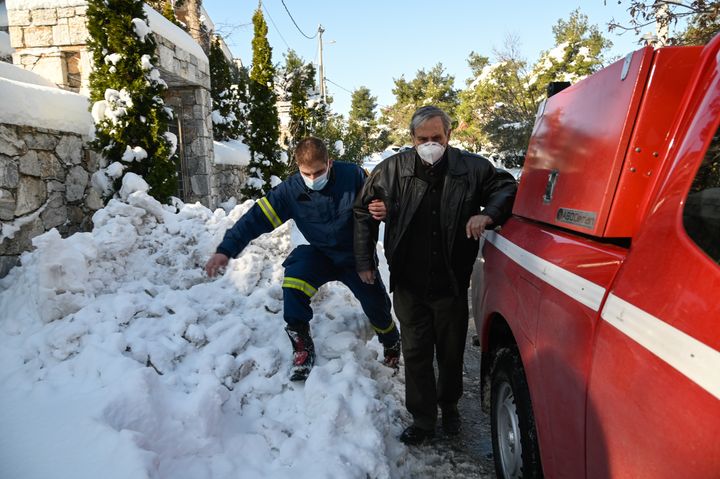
(597, 304)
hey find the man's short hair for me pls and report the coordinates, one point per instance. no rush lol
(310, 150)
(425, 113)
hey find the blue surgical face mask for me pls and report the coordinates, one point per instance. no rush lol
(318, 183)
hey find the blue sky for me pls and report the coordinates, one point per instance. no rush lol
(370, 43)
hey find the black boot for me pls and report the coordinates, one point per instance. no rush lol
(303, 351)
(451, 420)
(413, 435)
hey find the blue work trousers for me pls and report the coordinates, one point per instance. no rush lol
(306, 269)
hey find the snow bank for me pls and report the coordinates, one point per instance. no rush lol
(44, 107)
(14, 72)
(165, 28)
(232, 152)
(121, 359)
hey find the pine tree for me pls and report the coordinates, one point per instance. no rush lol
(363, 136)
(427, 88)
(126, 93)
(228, 108)
(263, 125)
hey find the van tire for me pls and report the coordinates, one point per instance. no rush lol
(514, 435)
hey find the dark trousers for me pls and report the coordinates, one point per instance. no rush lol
(306, 269)
(431, 325)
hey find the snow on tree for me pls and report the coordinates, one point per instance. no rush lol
(701, 20)
(126, 94)
(497, 109)
(266, 167)
(228, 111)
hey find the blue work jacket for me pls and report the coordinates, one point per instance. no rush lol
(324, 217)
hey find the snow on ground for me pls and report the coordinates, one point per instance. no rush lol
(121, 359)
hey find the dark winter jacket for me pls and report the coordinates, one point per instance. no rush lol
(324, 217)
(471, 182)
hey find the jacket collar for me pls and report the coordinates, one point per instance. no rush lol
(456, 167)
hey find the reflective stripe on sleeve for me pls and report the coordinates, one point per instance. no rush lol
(386, 330)
(269, 211)
(297, 283)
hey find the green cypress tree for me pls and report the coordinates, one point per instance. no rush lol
(227, 114)
(126, 94)
(263, 122)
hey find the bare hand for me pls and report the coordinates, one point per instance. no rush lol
(367, 277)
(377, 209)
(217, 262)
(476, 225)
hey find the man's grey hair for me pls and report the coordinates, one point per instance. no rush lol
(425, 113)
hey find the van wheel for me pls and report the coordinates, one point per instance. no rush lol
(514, 435)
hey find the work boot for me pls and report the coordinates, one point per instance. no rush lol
(303, 352)
(391, 354)
(451, 420)
(413, 435)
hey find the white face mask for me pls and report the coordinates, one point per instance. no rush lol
(430, 152)
(318, 183)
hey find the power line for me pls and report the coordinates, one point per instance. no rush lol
(341, 87)
(296, 25)
(276, 28)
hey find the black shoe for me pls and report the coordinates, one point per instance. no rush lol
(451, 420)
(413, 435)
(303, 352)
(391, 355)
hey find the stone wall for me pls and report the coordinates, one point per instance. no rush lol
(192, 106)
(228, 181)
(51, 42)
(44, 184)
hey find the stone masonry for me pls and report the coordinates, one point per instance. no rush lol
(44, 184)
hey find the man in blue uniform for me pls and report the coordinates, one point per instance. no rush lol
(320, 199)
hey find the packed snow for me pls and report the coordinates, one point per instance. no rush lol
(177, 36)
(121, 359)
(231, 152)
(17, 73)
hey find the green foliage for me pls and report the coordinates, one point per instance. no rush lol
(228, 113)
(427, 88)
(126, 93)
(298, 86)
(363, 137)
(263, 123)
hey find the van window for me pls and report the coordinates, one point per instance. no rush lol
(701, 216)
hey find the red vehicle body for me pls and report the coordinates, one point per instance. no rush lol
(597, 304)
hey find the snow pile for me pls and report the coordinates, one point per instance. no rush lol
(232, 152)
(121, 359)
(14, 72)
(44, 107)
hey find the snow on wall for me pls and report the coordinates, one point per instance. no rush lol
(164, 27)
(232, 152)
(14, 72)
(33, 4)
(44, 107)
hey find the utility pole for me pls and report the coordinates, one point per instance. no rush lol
(321, 67)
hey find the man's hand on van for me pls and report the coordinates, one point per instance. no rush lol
(476, 226)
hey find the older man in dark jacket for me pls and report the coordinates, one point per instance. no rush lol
(436, 201)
